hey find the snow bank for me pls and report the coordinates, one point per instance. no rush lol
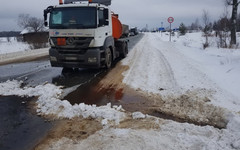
(13, 51)
(173, 69)
(171, 135)
(23, 55)
(48, 103)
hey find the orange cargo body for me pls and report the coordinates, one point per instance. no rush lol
(116, 27)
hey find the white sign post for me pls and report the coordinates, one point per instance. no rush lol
(170, 20)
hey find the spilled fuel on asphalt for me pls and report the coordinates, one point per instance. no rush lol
(176, 109)
(92, 93)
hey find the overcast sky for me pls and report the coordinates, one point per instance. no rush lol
(133, 12)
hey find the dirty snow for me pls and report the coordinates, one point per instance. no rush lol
(170, 135)
(138, 115)
(160, 67)
(49, 103)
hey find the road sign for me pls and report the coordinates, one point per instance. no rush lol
(170, 19)
(161, 29)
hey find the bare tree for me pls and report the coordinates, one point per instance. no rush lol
(234, 4)
(25, 21)
(206, 27)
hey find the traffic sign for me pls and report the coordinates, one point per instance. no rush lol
(170, 19)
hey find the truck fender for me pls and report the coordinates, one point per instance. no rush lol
(109, 43)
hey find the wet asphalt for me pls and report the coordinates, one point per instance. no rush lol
(20, 127)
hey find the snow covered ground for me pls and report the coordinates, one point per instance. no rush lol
(14, 51)
(157, 67)
(12, 45)
(157, 64)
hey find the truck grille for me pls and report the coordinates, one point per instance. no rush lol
(73, 43)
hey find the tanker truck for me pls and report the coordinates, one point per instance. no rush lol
(84, 34)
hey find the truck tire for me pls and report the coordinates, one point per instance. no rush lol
(108, 58)
(124, 50)
(67, 70)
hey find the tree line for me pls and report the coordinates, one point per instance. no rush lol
(225, 26)
(9, 33)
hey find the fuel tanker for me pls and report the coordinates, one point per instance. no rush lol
(84, 34)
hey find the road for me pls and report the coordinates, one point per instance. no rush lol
(37, 72)
(19, 125)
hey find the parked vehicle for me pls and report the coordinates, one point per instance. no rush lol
(84, 34)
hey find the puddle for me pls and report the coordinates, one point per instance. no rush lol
(101, 96)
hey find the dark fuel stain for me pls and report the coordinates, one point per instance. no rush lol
(19, 128)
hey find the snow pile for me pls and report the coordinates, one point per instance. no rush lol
(50, 104)
(12, 46)
(173, 69)
(138, 115)
(171, 135)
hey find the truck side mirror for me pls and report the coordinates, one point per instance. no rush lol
(45, 13)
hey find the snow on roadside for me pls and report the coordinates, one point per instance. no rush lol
(221, 65)
(29, 54)
(172, 69)
(171, 135)
(148, 76)
(14, 51)
(48, 103)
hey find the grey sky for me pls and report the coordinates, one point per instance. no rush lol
(133, 12)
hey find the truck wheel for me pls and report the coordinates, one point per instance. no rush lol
(108, 58)
(125, 50)
(67, 70)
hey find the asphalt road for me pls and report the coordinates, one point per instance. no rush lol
(37, 72)
(21, 129)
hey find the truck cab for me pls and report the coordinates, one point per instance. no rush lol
(81, 35)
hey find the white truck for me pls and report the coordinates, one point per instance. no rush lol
(84, 34)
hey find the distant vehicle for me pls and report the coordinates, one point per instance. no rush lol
(125, 30)
(131, 34)
(133, 31)
(84, 34)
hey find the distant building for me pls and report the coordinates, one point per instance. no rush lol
(30, 36)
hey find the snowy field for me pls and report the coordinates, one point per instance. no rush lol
(12, 45)
(168, 69)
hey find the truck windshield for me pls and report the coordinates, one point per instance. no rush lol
(73, 18)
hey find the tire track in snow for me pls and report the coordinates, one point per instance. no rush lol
(143, 57)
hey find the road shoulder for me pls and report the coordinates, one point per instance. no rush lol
(23, 56)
